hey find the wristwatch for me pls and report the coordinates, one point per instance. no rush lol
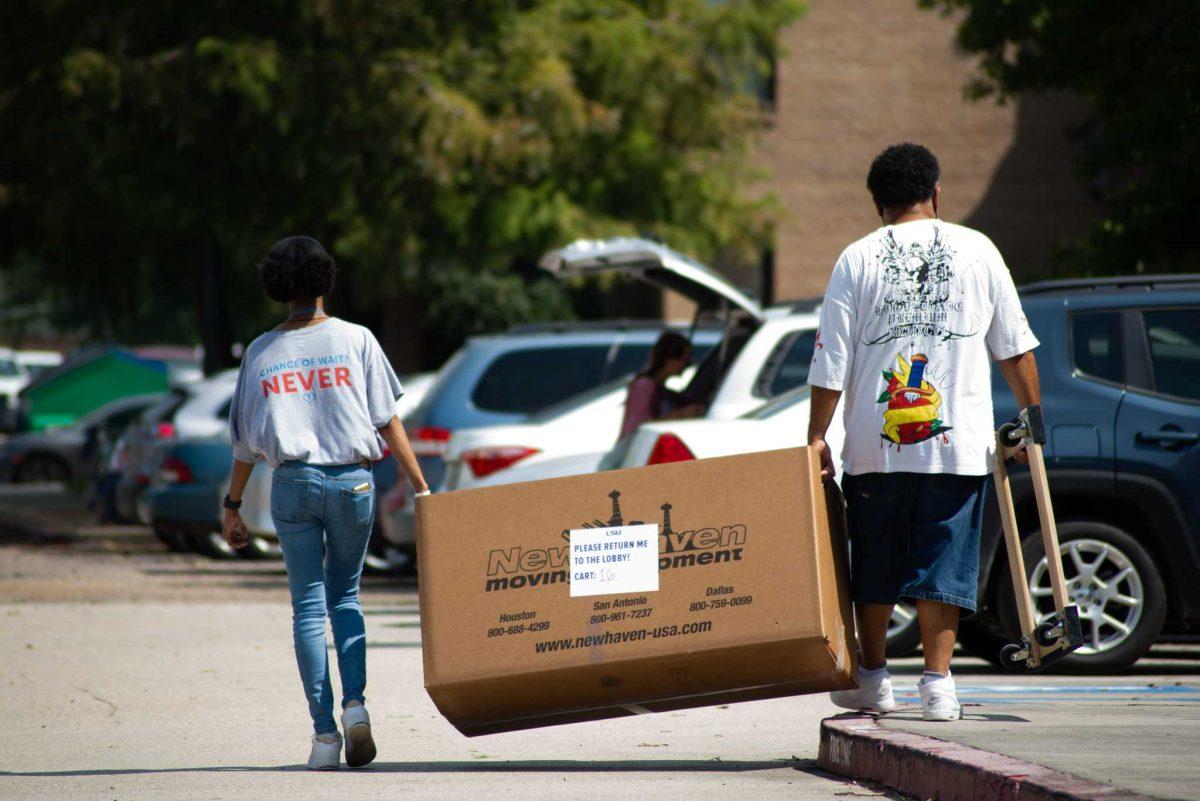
(228, 504)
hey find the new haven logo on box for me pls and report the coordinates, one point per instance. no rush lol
(517, 568)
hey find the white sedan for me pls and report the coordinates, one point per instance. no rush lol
(567, 439)
(779, 423)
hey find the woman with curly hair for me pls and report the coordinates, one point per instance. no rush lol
(316, 398)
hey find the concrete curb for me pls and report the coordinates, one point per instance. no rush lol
(855, 745)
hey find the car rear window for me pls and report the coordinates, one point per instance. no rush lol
(629, 359)
(1174, 339)
(1096, 345)
(787, 367)
(524, 381)
(633, 357)
(9, 368)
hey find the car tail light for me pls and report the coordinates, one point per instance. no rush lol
(429, 440)
(175, 471)
(485, 461)
(164, 430)
(669, 448)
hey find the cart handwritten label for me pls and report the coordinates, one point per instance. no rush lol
(608, 561)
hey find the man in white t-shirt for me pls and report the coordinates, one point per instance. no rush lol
(912, 318)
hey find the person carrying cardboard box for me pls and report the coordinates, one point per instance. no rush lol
(910, 317)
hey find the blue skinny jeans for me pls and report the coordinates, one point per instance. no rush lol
(324, 525)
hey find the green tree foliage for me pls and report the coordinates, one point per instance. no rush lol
(1137, 67)
(430, 142)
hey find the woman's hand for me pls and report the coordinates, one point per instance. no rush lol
(397, 441)
(234, 528)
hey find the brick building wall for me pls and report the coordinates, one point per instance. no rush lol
(858, 75)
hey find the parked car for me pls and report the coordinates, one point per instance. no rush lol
(507, 378)
(67, 453)
(183, 500)
(17, 369)
(1119, 364)
(416, 386)
(197, 410)
(12, 380)
(566, 439)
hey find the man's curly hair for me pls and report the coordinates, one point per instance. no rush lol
(297, 267)
(903, 175)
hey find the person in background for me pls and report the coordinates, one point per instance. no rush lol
(912, 317)
(316, 398)
(648, 397)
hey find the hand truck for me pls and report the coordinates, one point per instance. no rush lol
(1060, 632)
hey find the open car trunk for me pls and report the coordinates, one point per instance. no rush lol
(658, 265)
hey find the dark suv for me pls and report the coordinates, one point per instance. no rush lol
(1120, 375)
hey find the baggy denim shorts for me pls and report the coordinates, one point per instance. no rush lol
(914, 536)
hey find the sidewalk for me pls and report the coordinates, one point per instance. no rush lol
(1138, 733)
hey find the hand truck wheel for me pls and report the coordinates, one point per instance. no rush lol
(1009, 658)
(1047, 633)
(1008, 434)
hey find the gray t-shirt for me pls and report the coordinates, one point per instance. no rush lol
(314, 394)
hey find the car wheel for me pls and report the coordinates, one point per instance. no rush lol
(42, 468)
(260, 547)
(212, 544)
(175, 540)
(903, 633)
(1114, 582)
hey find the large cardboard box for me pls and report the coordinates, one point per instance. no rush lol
(752, 599)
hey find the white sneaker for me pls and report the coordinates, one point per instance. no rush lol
(326, 752)
(871, 696)
(360, 747)
(939, 699)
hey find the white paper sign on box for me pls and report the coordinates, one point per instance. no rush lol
(608, 561)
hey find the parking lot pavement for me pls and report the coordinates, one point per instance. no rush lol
(131, 672)
(201, 701)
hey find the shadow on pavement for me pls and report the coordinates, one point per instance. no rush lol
(483, 766)
(915, 715)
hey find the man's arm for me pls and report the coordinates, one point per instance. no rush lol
(1022, 376)
(823, 405)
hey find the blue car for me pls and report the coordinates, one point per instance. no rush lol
(185, 509)
(1120, 376)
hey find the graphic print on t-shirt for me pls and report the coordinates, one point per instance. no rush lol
(913, 404)
(306, 376)
(927, 304)
(917, 299)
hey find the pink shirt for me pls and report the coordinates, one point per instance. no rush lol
(646, 401)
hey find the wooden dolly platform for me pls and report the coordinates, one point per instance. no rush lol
(1059, 633)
